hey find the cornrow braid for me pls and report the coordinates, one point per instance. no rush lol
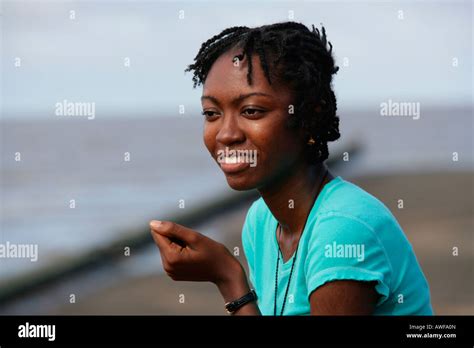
(210, 50)
(291, 54)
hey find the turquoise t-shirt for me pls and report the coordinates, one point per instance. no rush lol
(349, 234)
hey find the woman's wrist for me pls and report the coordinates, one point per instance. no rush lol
(233, 283)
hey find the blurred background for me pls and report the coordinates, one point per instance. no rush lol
(82, 189)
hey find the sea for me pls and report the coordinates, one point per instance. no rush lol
(69, 185)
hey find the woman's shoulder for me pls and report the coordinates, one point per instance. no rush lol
(346, 199)
(348, 214)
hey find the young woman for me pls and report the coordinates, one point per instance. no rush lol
(315, 243)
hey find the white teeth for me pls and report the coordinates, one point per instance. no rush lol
(230, 160)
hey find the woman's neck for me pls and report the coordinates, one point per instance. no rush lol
(290, 198)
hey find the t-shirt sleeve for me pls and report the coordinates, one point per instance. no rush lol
(248, 241)
(342, 247)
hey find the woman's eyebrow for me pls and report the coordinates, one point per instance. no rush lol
(236, 100)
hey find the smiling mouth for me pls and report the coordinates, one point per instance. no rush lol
(233, 167)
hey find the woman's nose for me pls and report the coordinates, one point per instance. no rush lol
(230, 131)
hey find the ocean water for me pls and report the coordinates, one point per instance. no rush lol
(64, 159)
(81, 160)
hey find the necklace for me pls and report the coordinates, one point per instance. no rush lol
(294, 258)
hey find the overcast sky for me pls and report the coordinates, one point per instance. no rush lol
(395, 50)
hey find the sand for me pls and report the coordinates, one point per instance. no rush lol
(437, 216)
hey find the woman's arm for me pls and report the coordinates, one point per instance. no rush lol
(236, 286)
(344, 297)
(188, 255)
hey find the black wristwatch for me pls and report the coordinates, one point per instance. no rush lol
(231, 307)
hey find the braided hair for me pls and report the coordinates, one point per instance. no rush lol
(300, 58)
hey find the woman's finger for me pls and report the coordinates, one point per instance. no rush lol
(161, 241)
(174, 231)
(164, 243)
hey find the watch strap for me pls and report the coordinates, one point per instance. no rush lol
(233, 306)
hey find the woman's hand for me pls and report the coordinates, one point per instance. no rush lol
(188, 255)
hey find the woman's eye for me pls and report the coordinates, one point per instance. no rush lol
(252, 112)
(208, 114)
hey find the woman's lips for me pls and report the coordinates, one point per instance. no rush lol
(231, 168)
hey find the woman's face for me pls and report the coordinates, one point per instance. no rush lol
(251, 120)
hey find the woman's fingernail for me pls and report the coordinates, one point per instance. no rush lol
(155, 224)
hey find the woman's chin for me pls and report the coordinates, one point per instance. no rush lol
(240, 183)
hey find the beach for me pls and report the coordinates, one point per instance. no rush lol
(437, 216)
(121, 173)
(83, 183)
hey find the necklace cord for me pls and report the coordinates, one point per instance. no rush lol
(295, 255)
